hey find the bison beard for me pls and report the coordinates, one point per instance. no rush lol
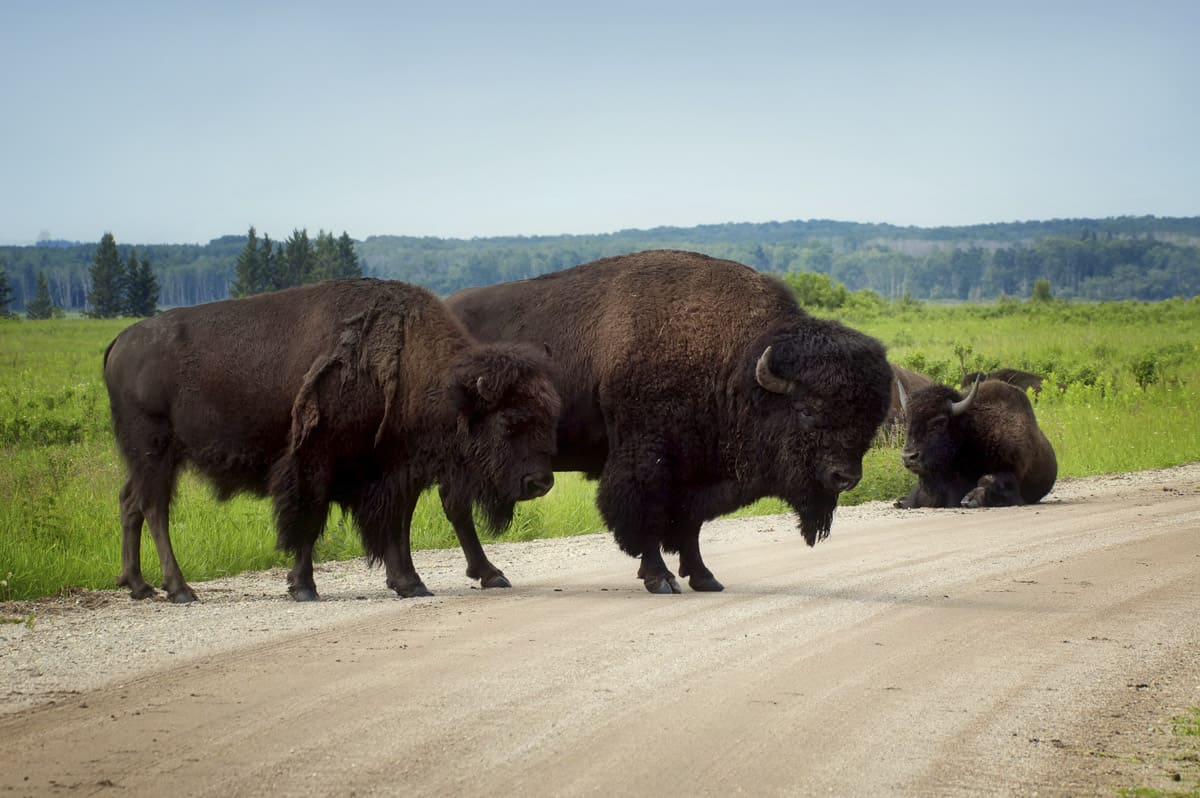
(816, 516)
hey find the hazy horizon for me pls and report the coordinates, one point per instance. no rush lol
(181, 123)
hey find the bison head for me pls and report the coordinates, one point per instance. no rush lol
(821, 391)
(507, 415)
(938, 420)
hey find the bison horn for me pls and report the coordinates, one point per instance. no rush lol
(903, 395)
(768, 379)
(964, 404)
(485, 391)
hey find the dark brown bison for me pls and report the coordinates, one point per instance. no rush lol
(358, 392)
(691, 387)
(981, 450)
(1024, 380)
(908, 381)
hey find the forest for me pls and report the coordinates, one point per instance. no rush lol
(1143, 258)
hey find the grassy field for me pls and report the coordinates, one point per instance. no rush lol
(1130, 376)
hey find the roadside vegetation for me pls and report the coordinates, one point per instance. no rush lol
(1179, 762)
(1122, 382)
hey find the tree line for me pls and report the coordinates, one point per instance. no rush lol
(1145, 258)
(262, 267)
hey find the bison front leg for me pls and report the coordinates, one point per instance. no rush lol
(478, 565)
(300, 512)
(994, 490)
(397, 559)
(630, 500)
(692, 565)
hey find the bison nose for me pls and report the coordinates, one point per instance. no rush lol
(840, 479)
(534, 485)
(910, 459)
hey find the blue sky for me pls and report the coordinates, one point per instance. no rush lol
(182, 121)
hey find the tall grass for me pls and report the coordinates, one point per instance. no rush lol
(1129, 372)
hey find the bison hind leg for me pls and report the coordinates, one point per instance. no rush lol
(132, 519)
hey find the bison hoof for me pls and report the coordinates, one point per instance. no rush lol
(184, 596)
(973, 499)
(495, 580)
(903, 504)
(705, 584)
(143, 592)
(662, 584)
(304, 593)
(413, 591)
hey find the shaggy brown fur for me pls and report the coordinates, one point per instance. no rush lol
(658, 354)
(991, 454)
(360, 392)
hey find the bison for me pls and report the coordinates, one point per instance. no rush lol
(909, 382)
(1024, 380)
(981, 450)
(691, 386)
(355, 392)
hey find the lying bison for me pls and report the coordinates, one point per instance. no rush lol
(358, 392)
(981, 450)
(691, 387)
(1024, 380)
(906, 381)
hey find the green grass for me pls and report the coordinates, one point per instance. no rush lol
(1131, 372)
(1184, 762)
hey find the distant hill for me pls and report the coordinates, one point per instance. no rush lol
(1127, 257)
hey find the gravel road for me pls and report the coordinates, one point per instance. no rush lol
(1018, 651)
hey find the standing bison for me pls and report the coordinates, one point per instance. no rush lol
(691, 387)
(981, 450)
(358, 392)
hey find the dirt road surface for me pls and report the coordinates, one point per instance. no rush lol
(1021, 651)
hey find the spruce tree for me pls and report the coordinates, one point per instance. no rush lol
(297, 265)
(249, 268)
(6, 295)
(40, 307)
(107, 273)
(128, 276)
(142, 289)
(348, 263)
(325, 257)
(272, 256)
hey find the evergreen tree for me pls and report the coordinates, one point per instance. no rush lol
(128, 275)
(250, 267)
(142, 289)
(297, 265)
(325, 257)
(348, 263)
(107, 275)
(6, 295)
(41, 307)
(272, 257)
